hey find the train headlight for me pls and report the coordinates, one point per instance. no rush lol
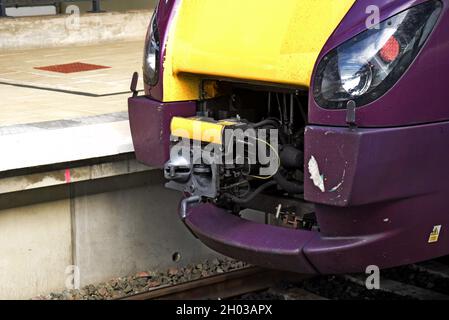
(367, 66)
(152, 53)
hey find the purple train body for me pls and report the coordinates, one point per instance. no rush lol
(380, 195)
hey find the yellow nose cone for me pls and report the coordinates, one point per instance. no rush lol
(251, 41)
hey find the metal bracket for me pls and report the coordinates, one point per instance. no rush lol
(134, 82)
(350, 114)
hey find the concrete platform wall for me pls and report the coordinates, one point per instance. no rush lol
(107, 228)
(72, 29)
(35, 249)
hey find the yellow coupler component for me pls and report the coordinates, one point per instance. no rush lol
(197, 129)
(250, 40)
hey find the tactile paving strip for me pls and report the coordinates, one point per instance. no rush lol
(72, 67)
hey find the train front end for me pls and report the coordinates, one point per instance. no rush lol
(309, 136)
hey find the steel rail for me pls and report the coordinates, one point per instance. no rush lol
(222, 286)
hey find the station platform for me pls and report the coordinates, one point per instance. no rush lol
(72, 194)
(50, 117)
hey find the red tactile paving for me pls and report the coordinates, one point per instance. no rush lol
(72, 67)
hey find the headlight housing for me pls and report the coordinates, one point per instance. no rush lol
(152, 53)
(367, 66)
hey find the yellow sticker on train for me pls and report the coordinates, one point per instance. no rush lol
(435, 234)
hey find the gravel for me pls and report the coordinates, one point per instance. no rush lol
(146, 280)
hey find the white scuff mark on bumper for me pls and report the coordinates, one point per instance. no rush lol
(315, 175)
(341, 182)
(336, 187)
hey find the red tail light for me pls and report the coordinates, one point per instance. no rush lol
(390, 50)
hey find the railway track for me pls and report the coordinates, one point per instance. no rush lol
(223, 286)
(424, 281)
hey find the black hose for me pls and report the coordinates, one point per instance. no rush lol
(252, 195)
(271, 123)
(266, 122)
(289, 186)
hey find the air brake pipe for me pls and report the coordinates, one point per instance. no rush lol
(292, 113)
(185, 205)
(303, 114)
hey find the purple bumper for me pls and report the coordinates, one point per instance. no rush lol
(384, 192)
(259, 244)
(150, 127)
